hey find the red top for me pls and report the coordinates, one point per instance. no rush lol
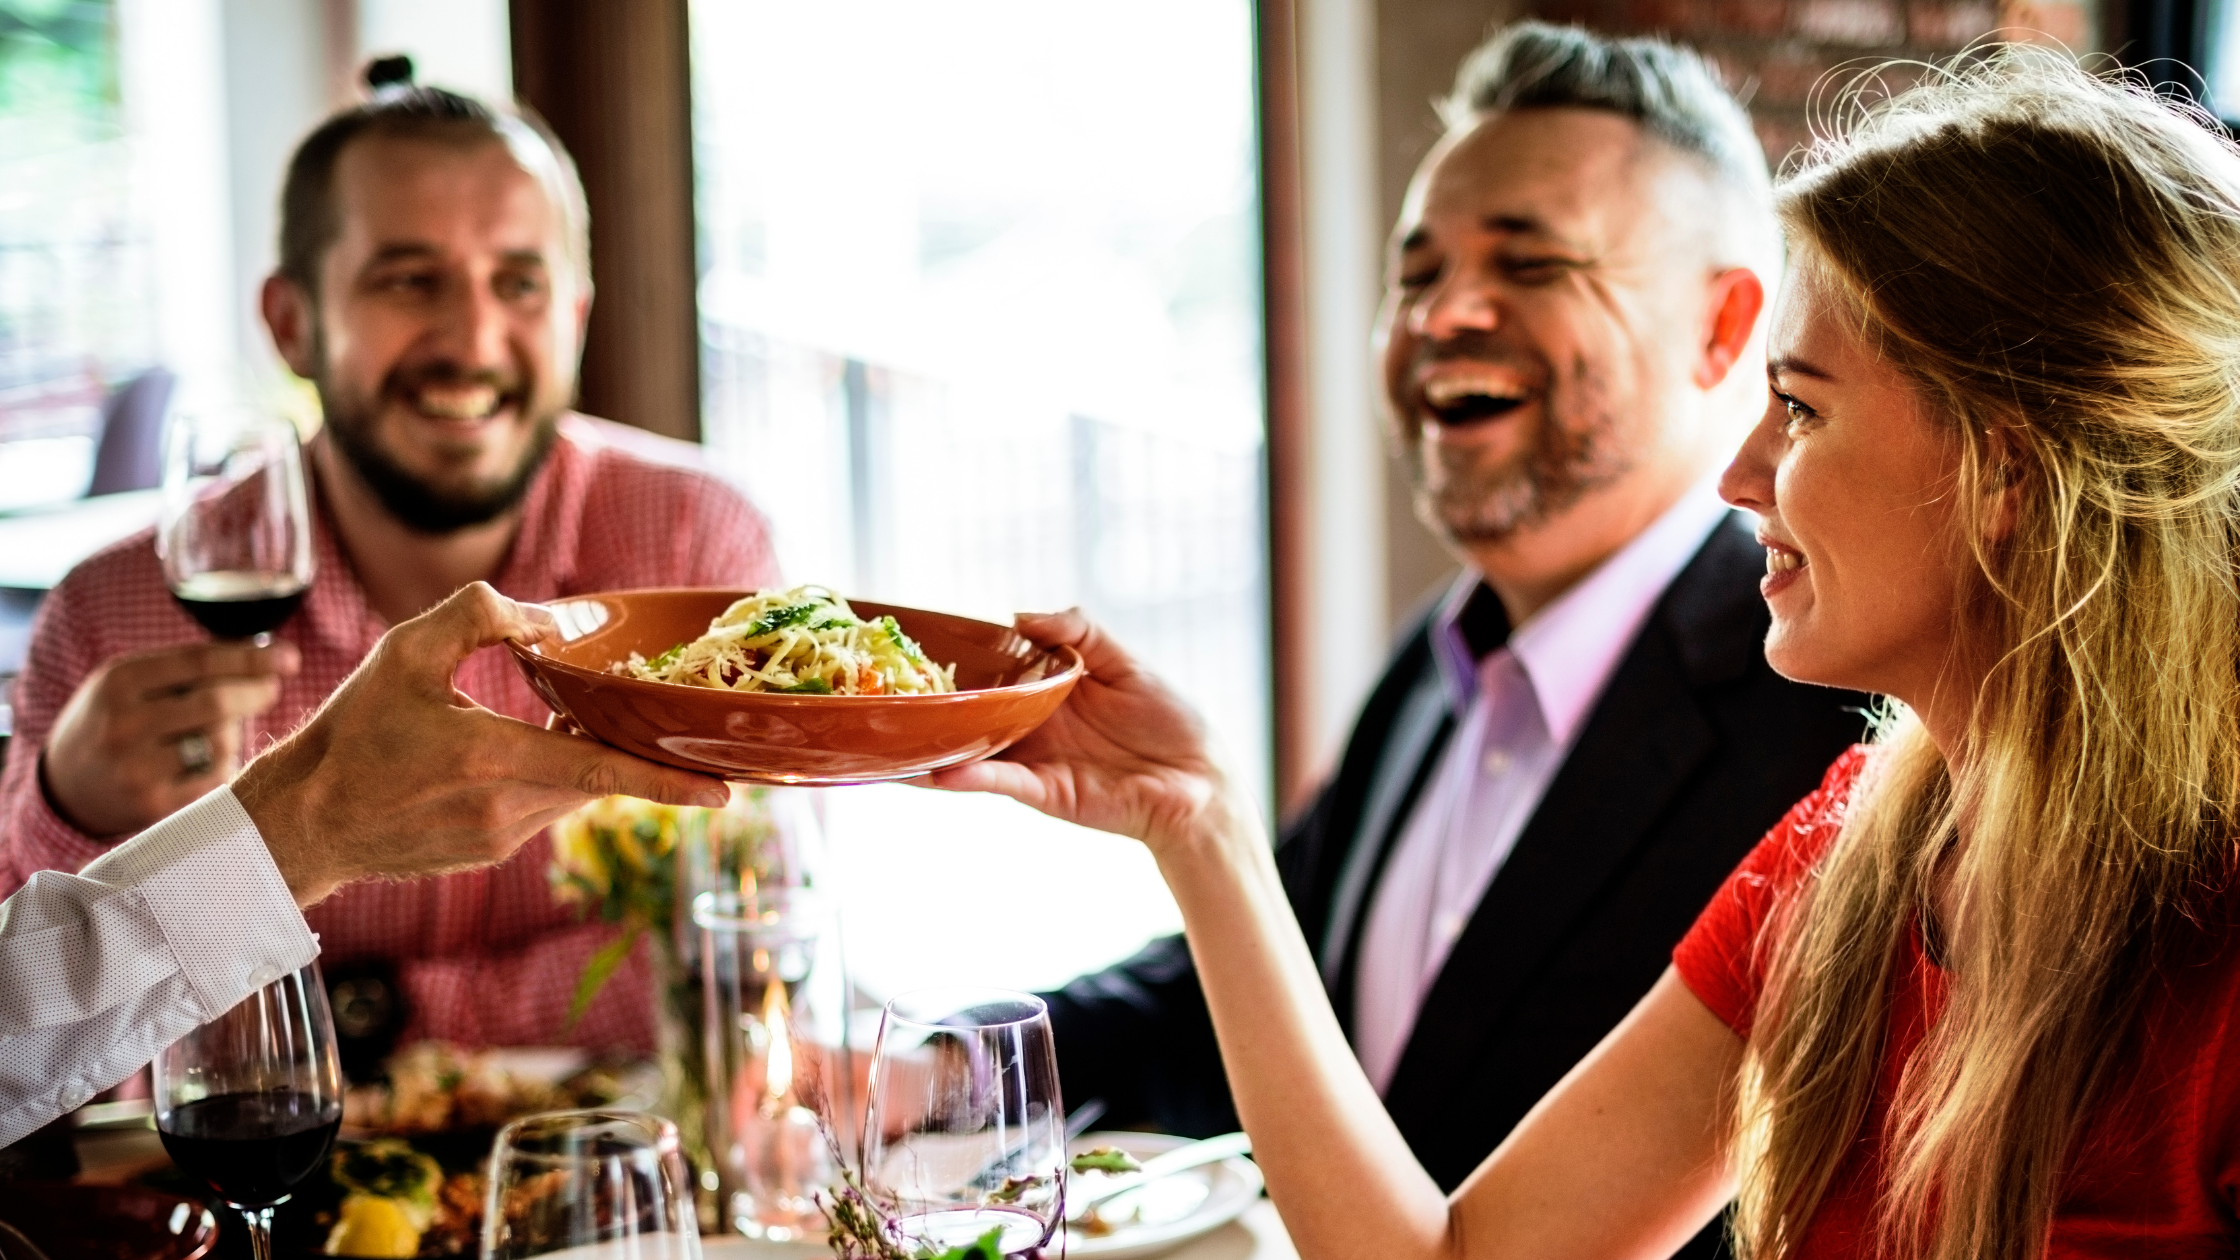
(2159, 1165)
(485, 957)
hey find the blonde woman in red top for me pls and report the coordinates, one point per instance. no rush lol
(1975, 997)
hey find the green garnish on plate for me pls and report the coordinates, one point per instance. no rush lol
(1106, 1159)
(985, 1247)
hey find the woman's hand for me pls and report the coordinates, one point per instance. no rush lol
(1123, 754)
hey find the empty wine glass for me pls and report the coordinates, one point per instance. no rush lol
(250, 1102)
(592, 1184)
(965, 1133)
(235, 534)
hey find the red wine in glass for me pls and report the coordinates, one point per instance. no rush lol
(250, 1102)
(232, 604)
(253, 1149)
(235, 535)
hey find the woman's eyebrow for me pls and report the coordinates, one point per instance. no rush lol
(1789, 365)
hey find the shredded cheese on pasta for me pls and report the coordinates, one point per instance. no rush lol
(805, 640)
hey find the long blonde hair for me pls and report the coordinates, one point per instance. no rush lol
(2054, 260)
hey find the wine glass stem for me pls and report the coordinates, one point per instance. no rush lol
(260, 1231)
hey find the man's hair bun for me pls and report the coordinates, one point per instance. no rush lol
(392, 71)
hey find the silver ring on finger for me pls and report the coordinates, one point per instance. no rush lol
(195, 754)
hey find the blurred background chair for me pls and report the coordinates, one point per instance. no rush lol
(39, 543)
(130, 453)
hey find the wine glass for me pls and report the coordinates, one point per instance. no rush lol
(235, 534)
(590, 1183)
(965, 1133)
(250, 1102)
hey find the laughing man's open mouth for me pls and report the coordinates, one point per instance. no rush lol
(1465, 399)
(464, 401)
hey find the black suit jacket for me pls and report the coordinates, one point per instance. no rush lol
(1694, 750)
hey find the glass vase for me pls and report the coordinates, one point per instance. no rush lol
(781, 1080)
(679, 1042)
(766, 844)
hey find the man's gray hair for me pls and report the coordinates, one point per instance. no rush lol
(1671, 92)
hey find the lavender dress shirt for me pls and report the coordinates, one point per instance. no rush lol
(1521, 705)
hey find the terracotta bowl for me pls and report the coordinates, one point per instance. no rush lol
(1006, 686)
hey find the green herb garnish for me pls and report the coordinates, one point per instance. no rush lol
(666, 659)
(1013, 1187)
(901, 640)
(1106, 1159)
(986, 1247)
(812, 687)
(390, 1169)
(779, 618)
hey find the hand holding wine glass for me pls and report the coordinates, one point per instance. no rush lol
(251, 1101)
(965, 1133)
(235, 535)
(148, 733)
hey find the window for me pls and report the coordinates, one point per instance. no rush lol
(76, 265)
(2220, 60)
(980, 322)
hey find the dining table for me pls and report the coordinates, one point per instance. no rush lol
(115, 1152)
(1257, 1235)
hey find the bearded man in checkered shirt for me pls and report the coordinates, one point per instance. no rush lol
(434, 280)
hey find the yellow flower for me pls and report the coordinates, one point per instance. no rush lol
(577, 851)
(614, 846)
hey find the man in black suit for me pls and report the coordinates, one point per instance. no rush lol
(1571, 751)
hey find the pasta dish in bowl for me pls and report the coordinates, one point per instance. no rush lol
(806, 641)
(795, 686)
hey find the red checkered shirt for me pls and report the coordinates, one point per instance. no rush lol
(485, 957)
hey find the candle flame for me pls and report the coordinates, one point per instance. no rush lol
(778, 1081)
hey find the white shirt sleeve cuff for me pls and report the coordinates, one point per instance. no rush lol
(210, 884)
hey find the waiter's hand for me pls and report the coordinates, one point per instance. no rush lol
(399, 774)
(149, 733)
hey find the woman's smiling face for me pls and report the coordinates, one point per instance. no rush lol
(1853, 477)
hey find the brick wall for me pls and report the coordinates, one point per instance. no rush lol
(1779, 52)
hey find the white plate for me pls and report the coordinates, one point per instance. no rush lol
(1177, 1210)
(733, 1247)
(1173, 1210)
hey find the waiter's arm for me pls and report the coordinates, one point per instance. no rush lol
(101, 970)
(398, 774)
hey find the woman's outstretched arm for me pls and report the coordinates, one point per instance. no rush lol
(1622, 1159)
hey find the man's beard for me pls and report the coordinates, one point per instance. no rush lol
(423, 506)
(1572, 451)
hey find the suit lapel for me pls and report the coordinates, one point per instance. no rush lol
(1419, 730)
